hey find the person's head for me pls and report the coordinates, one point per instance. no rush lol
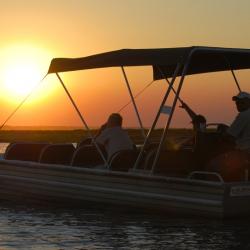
(114, 120)
(199, 122)
(242, 101)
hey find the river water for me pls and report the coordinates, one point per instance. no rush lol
(24, 227)
(97, 227)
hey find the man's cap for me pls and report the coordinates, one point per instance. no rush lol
(241, 95)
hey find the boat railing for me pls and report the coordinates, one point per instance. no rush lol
(205, 174)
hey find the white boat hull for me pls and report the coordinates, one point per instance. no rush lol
(66, 185)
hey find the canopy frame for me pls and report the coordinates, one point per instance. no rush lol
(182, 68)
(133, 101)
(145, 59)
(168, 122)
(157, 115)
(83, 121)
(177, 97)
(236, 80)
(206, 59)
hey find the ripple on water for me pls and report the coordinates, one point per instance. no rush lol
(22, 227)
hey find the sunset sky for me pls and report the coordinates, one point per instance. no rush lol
(33, 32)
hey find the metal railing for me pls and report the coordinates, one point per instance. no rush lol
(205, 173)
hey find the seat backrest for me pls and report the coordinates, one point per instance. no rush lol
(24, 151)
(123, 160)
(57, 154)
(87, 155)
(84, 142)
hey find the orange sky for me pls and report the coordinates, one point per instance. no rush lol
(37, 31)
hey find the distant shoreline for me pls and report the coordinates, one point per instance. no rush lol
(40, 128)
(76, 135)
(65, 128)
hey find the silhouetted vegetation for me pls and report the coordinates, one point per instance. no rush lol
(63, 136)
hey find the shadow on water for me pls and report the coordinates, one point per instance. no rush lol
(25, 227)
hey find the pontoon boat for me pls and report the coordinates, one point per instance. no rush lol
(151, 177)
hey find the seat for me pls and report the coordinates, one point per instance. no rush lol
(123, 160)
(87, 155)
(24, 151)
(57, 154)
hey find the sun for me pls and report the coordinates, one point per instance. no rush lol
(21, 78)
(22, 68)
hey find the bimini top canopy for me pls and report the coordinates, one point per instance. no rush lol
(202, 60)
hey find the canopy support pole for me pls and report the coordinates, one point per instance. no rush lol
(169, 83)
(157, 116)
(236, 81)
(83, 121)
(232, 71)
(21, 103)
(166, 129)
(133, 101)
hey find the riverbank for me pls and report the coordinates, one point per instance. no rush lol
(65, 136)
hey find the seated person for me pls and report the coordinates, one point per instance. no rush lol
(199, 121)
(206, 146)
(239, 131)
(199, 125)
(233, 163)
(113, 137)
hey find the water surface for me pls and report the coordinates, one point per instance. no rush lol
(25, 227)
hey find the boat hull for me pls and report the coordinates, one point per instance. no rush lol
(66, 185)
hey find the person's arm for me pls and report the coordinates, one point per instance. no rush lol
(100, 130)
(190, 112)
(103, 136)
(237, 126)
(232, 133)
